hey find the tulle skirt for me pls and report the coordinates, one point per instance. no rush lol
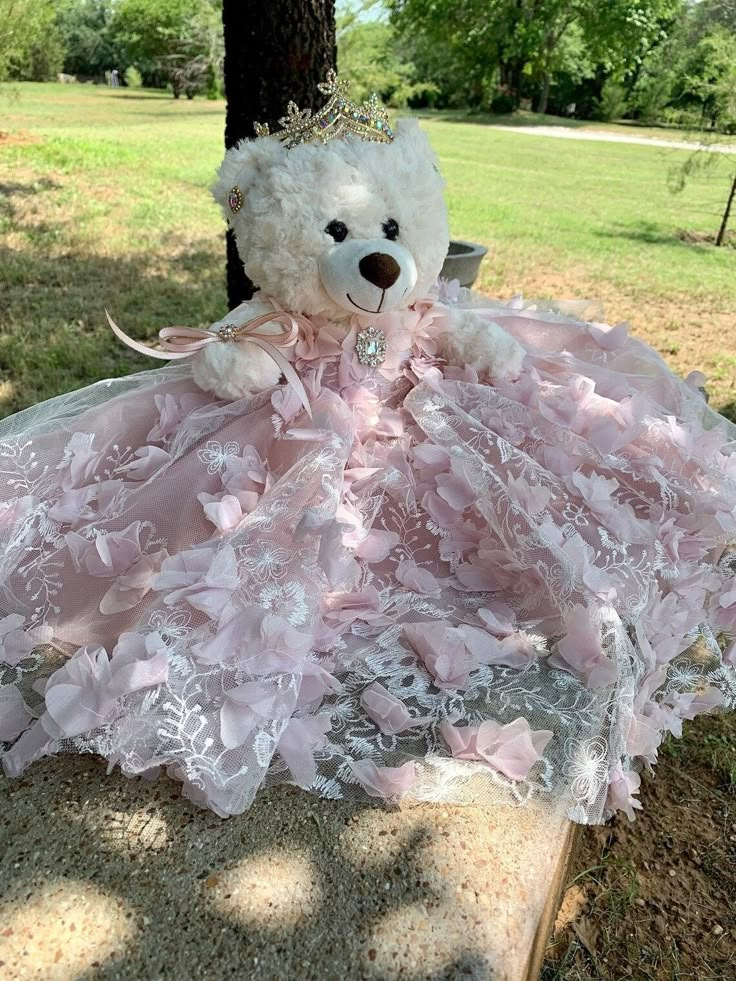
(463, 591)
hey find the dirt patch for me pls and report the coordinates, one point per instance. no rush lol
(17, 139)
(706, 238)
(656, 899)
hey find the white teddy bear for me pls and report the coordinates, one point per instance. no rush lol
(349, 228)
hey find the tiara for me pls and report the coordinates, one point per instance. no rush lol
(338, 116)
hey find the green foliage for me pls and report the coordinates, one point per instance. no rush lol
(656, 59)
(370, 56)
(709, 79)
(133, 78)
(612, 103)
(41, 59)
(180, 40)
(30, 48)
(512, 48)
(86, 27)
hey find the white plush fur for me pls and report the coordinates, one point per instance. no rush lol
(482, 344)
(289, 199)
(290, 196)
(234, 371)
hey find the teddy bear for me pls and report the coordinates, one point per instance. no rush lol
(468, 550)
(351, 229)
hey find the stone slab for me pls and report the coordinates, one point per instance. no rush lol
(105, 877)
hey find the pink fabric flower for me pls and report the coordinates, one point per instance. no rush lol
(250, 705)
(321, 344)
(224, 512)
(443, 651)
(455, 489)
(442, 513)
(498, 618)
(132, 586)
(609, 338)
(263, 642)
(15, 509)
(84, 694)
(597, 492)
(148, 461)
(377, 545)
(532, 499)
(315, 684)
(72, 507)
(623, 786)
(173, 411)
(108, 554)
(581, 653)
(80, 462)
(389, 714)
(431, 459)
(687, 705)
(384, 781)
(14, 714)
(348, 607)
(300, 740)
(513, 748)
(17, 642)
(205, 578)
(419, 580)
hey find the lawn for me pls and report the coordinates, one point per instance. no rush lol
(104, 203)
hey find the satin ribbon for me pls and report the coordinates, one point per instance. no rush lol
(182, 342)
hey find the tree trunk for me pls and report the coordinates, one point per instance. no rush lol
(544, 94)
(721, 237)
(275, 52)
(510, 72)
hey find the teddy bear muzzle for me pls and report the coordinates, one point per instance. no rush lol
(367, 276)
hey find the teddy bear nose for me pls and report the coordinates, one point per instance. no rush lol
(380, 269)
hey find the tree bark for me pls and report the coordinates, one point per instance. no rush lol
(275, 52)
(721, 237)
(544, 94)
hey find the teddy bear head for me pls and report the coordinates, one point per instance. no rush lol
(343, 228)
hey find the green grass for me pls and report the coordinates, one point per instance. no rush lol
(104, 202)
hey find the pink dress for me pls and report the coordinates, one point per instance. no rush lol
(436, 587)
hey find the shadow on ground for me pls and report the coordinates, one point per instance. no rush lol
(650, 233)
(54, 336)
(106, 877)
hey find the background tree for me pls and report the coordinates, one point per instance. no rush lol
(86, 28)
(371, 56)
(180, 40)
(29, 45)
(274, 52)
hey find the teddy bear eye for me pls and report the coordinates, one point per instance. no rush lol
(338, 230)
(391, 229)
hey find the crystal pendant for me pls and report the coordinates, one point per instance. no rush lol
(370, 347)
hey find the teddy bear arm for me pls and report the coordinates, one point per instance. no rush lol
(236, 370)
(478, 341)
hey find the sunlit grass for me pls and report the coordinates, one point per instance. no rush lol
(104, 201)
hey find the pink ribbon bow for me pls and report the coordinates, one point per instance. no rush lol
(182, 342)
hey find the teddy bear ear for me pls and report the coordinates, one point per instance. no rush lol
(414, 144)
(408, 134)
(242, 166)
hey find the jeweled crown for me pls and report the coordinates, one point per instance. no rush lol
(338, 116)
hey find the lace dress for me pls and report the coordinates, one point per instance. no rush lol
(435, 587)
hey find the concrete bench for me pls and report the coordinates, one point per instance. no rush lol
(104, 877)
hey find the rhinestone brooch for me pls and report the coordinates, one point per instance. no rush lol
(370, 346)
(235, 199)
(228, 332)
